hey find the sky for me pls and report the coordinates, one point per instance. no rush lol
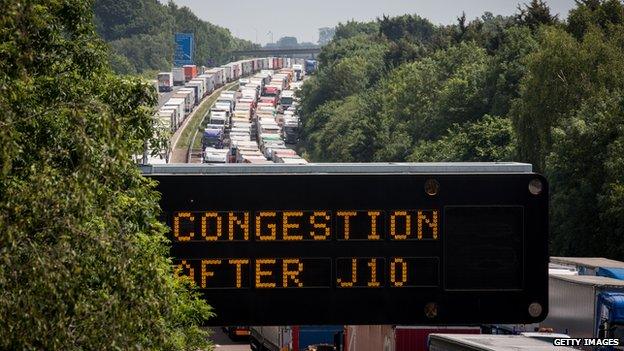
(255, 20)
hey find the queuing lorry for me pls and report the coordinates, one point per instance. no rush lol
(299, 72)
(171, 116)
(209, 81)
(178, 75)
(219, 117)
(180, 105)
(213, 155)
(585, 306)
(483, 342)
(290, 130)
(188, 97)
(286, 100)
(190, 72)
(212, 137)
(310, 66)
(165, 81)
(292, 338)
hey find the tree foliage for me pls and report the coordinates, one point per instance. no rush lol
(83, 258)
(488, 139)
(535, 14)
(586, 171)
(561, 75)
(530, 87)
(143, 32)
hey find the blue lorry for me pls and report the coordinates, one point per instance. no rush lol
(311, 66)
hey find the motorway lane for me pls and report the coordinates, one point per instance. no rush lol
(223, 343)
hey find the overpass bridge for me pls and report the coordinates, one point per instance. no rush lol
(312, 52)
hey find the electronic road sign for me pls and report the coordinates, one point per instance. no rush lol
(361, 244)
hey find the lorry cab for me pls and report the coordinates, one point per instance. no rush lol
(213, 155)
(212, 138)
(271, 90)
(299, 72)
(286, 100)
(219, 118)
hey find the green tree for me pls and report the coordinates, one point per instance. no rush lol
(343, 131)
(586, 174)
(606, 14)
(424, 98)
(143, 32)
(347, 66)
(83, 258)
(561, 75)
(354, 28)
(116, 19)
(486, 140)
(535, 14)
(510, 67)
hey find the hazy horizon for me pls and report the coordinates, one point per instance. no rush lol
(253, 20)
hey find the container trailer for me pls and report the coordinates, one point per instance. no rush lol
(299, 72)
(178, 75)
(201, 89)
(227, 73)
(171, 114)
(210, 82)
(212, 137)
(180, 105)
(219, 76)
(586, 265)
(190, 72)
(188, 97)
(192, 92)
(585, 306)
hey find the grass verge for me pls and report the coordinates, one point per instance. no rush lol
(203, 121)
(193, 125)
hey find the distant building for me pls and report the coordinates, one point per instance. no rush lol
(326, 34)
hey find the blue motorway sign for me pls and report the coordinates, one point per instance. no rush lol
(183, 49)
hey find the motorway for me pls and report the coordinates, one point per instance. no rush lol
(223, 343)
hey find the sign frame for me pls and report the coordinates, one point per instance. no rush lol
(505, 196)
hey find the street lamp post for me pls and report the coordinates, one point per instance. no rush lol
(256, 30)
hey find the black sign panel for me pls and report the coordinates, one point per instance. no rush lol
(284, 249)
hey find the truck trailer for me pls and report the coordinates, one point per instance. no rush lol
(190, 72)
(586, 265)
(178, 76)
(585, 306)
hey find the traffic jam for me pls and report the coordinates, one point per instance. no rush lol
(257, 123)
